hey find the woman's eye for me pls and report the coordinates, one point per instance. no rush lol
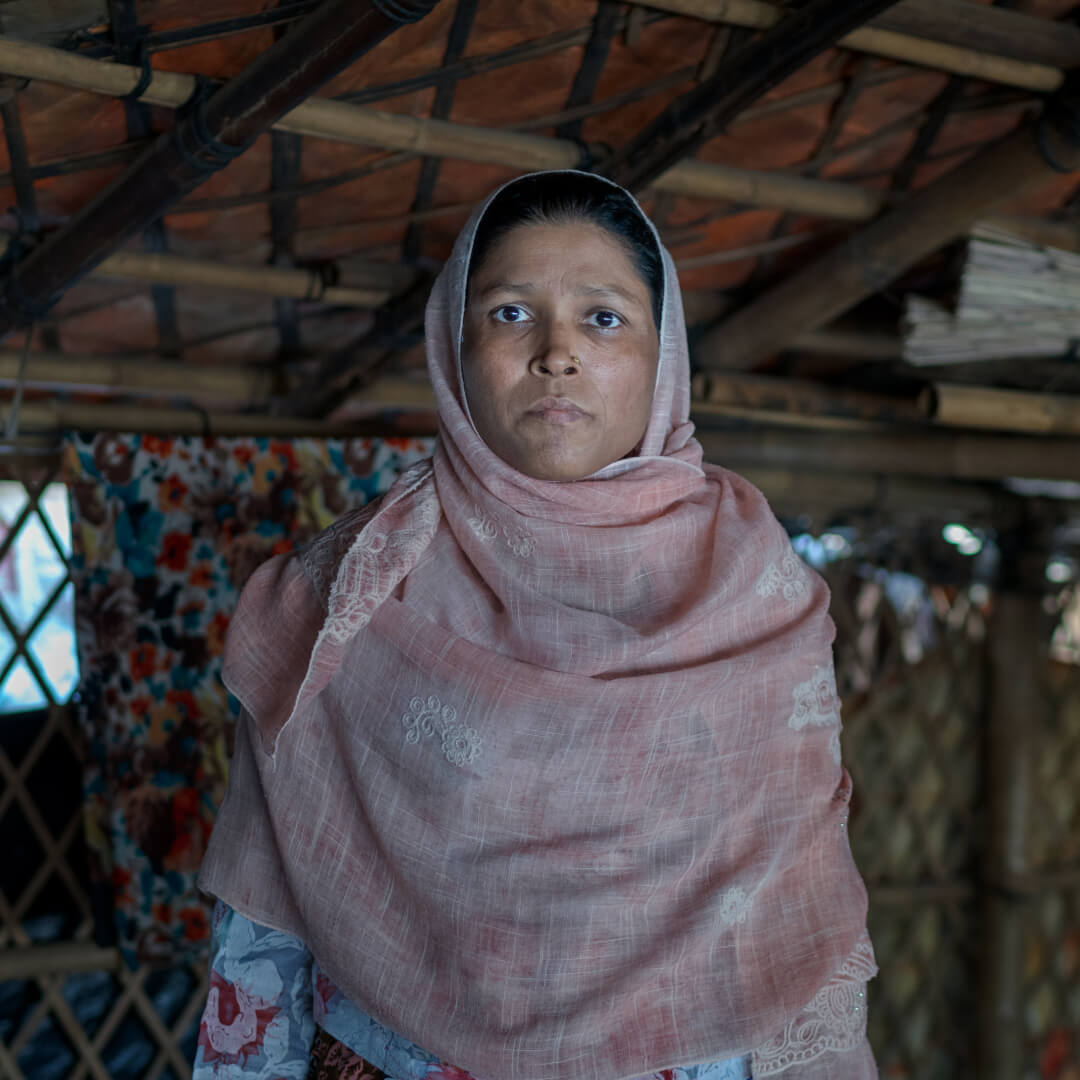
(509, 313)
(606, 320)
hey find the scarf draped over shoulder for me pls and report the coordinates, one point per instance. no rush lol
(547, 775)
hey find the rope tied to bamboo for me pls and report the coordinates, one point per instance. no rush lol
(141, 59)
(209, 153)
(403, 11)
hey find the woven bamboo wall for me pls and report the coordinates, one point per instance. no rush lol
(913, 678)
(1051, 910)
(912, 743)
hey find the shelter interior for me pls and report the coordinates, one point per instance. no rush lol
(874, 210)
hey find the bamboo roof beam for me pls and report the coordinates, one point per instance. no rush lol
(366, 126)
(970, 457)
(128, 375)
(35, 416)
(1004, 29)
(840, 340)
(952, 455)
(956, 405)
(875, 255)
(799, 490)
(694, 117)
(160, 268)
(295, 284)
(803, 403)
(953, 58)
(217, 129)
(798, 401)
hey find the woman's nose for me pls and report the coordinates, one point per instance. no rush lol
(554, 361)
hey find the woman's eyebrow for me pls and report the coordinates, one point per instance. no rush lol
(504, 286)
(607, 290)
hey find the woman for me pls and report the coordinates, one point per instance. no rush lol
(538, 775)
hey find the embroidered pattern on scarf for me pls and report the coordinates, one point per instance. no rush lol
(834, 1021)
(460, 744)
(788, 578)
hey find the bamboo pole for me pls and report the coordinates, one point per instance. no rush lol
(65, 958)
(955, 405)
(768, 400)
(941, 56)
(799, 399)
(66, 415)
(851, 341)
(777, 191)
(395, 391)
(218, 128)
(799, 490)
(212, 274)
(688, 122)
(872, 257)
(1038, 231)
(439, 138)
(66, 371)
(1007, 29)
(953, 456)
(970, 457)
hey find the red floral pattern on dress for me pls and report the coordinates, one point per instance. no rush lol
(234, 1024)
(442, 1071)
(165, 532)
(325, 989)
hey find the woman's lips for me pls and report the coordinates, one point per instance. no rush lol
(558, 411)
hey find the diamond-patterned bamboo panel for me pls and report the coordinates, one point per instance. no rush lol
(912, 744)
(922, 1005)
(1055, 813)
(109, 1025)
(56, 1024)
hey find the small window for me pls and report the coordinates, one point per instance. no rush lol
(38, 660)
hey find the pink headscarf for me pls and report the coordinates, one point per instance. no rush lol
(547, 775)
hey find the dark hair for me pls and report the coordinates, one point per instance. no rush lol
(561, 198)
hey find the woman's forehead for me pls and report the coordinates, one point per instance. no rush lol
(580, 255)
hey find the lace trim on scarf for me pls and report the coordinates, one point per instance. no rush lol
(321, 557)
(380, 558)
(834, 1021)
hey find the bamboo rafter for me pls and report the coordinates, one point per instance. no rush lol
(888, 44)
(439, 138)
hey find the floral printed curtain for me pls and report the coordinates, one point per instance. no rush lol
(165, 532)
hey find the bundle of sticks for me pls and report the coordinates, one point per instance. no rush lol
(1016, 299)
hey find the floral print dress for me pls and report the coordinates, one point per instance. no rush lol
(268, 999)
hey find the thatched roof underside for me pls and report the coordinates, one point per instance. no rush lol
(379, 219)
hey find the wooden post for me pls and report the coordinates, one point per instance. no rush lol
(1016, 706)
(877, 254)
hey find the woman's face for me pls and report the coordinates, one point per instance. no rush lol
(560, 350)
